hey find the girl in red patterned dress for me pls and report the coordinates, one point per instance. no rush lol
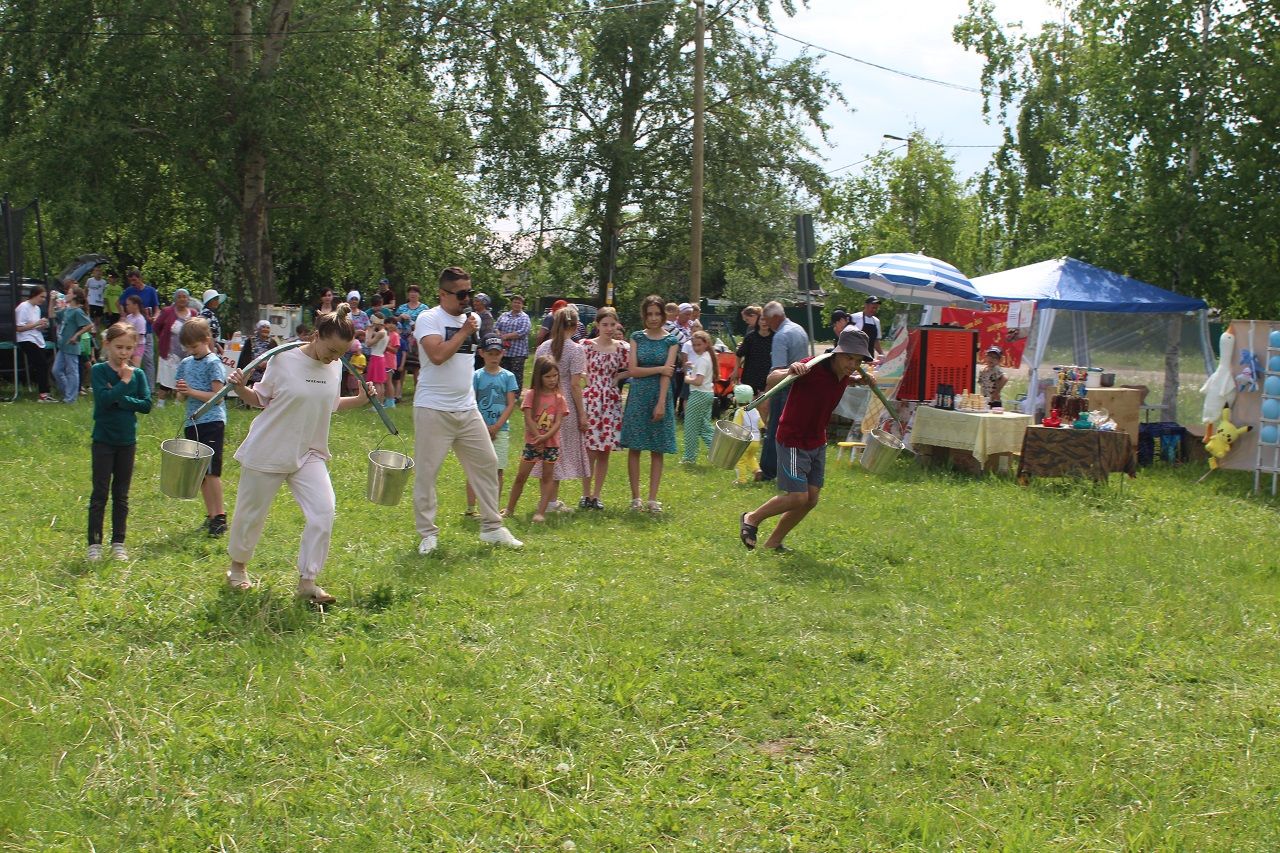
(602, 398)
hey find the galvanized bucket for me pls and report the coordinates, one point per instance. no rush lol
(882, 448)
(388, 473)
(183, 464)
(728, 445)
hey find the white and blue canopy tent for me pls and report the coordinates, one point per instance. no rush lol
(1077, 289)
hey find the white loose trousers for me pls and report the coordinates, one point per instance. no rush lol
(434, 434)
(314, 494)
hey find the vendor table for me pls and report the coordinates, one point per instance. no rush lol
(982, 435)
(1052, 452)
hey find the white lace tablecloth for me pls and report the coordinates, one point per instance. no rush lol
(980, 433)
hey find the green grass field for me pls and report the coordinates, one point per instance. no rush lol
(942, 664)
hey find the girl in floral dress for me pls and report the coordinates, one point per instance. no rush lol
(569, 356)
(606, 367)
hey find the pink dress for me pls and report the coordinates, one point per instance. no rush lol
(573, 463)
(601, 396)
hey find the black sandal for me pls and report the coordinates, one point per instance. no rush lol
(747, 532)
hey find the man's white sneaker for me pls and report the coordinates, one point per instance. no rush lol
(95, 553)
(428, 544)
(118, 552)
(501, 536)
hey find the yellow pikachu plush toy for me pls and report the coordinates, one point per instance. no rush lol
(1224, 436)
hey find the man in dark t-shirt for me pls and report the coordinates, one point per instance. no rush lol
(802, 436)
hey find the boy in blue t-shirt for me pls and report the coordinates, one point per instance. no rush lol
(496, 391)
(201, 376)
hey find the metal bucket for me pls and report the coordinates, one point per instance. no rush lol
(882, 448)
(728, 445)
(183, 464)
(388, 472)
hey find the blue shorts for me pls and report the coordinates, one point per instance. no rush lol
(801, 470)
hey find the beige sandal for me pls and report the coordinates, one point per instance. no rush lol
(239, 583)
(312, 594)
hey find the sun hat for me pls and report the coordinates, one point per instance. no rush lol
(853, 342)
(354, 294)
(743, 394)
(263, 324)
(210, 295)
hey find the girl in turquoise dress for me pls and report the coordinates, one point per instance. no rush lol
(649, 421)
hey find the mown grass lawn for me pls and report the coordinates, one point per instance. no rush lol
(943, 663)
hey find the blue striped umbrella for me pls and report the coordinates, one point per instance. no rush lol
(905, 277)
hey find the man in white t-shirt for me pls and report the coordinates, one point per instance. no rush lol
(95, 288)
(445, 415)
(868, 323)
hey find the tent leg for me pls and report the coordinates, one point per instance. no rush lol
(1206, 343)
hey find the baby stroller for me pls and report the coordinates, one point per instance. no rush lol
(722, 386)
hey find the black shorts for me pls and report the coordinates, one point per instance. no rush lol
(210, 434)
(96, 312)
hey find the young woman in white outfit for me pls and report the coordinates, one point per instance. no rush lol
(289, 442)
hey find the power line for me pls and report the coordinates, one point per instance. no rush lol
(899, 148)
(900, 73)
(866, 159)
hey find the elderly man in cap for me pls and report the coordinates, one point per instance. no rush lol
(210, 302)
(682, 328)
(801, 441)
(868, 323)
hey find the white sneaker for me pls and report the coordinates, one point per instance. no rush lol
(428, 544)
(95, 553)
(559, 506)
(118, 552)
(501, 536)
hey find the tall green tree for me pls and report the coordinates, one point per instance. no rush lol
(912, 202)
(620, 136)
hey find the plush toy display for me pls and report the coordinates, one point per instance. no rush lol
(1224, 436)
(1220, 388)
(1250, 370)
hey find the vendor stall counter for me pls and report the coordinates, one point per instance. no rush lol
(973, 440)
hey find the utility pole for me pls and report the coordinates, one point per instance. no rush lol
(699, 83)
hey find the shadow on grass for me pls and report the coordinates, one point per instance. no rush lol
(803, 567)
(261, 613)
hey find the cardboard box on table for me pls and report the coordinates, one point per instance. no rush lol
(1250, 335)
(1123, 404)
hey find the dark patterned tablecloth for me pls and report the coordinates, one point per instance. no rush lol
(1048, 452)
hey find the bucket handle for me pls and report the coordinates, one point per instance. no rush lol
(389, 435)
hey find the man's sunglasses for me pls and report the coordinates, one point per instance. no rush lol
(460, 294)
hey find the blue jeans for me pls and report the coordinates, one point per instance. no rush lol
(66, 374)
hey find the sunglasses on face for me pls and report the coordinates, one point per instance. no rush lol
(459, 294)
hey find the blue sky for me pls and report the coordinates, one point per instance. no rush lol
(913, 36)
